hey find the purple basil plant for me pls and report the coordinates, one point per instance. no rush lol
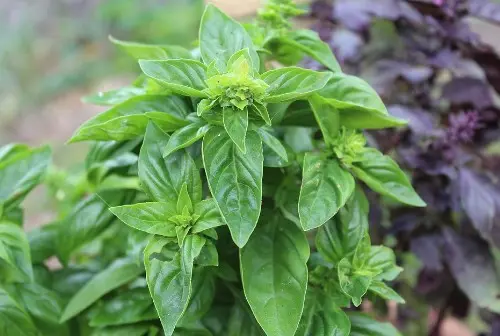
(430, 68)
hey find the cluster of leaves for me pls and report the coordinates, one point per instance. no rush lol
(430, 68)
(222, 195)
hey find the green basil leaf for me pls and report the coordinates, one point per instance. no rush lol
(14, 321)
(310, 44)
(261, 110)
(210, 216)
(335, 292)
(186, 136)
(67, 281)
(118, 182)
(15, 252)
(134, 305)
(221, 37)
(382, 262)
(151, 51)
(385, 292)
(383, 175)
(326, 116)
(120, 272)
(126, 120)
(322, 317)
(273, 160)
(236, 125)
(287, 198)
(169, 281)
(105, 156)
(162, 178)
(359, 105)
(182, 76)
(21, 171)
(339, 237)
(9, 150)
(44, 305)
(241, 323)
(129, 330)
(43, 242)
(299, 114)
(192, 330)
(353, 283)
(208, 255)
(362, 255)
(88, 219)
(292, 83)
(326, 187)
(235, 180)
(274, 274)
(364, 325)
(166, 122)
(184, 201)
(273, 143)
(202, 295)
(299, 138)
(114, 97)
(151, 217)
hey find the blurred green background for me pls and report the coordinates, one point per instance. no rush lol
(52, 52)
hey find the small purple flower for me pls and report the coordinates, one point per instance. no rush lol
(462, 127)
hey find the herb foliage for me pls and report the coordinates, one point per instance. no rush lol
(223, 195)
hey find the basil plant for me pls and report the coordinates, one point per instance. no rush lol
(223, 194)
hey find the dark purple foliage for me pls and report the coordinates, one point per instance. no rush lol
(433, 70)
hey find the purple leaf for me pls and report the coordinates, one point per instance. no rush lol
(435, 158)
(485, 9)
(487, 58)
(357, 14)
(473, 267)
(447, 59)
(468, 91)
(428, 249)
(480, 202)
(346, 45)
(419, 121)
(322, 9)
(387, 71)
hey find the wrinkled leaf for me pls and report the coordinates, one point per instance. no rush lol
(132, 306)
(221, 37)
(15, 252)
(181, 76)
(21, 171)
(169, 280)
(236, 125)
(359, 105)
(363, 325)
(235, 180)
(292, 83)
(383, 175)
(14, 321)
(126, 120)
(326, 187)
(162, 178)
(326, 116)
(185, 137)
(340, 236)
(321, 317)
(151, 217)
(274, 274)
